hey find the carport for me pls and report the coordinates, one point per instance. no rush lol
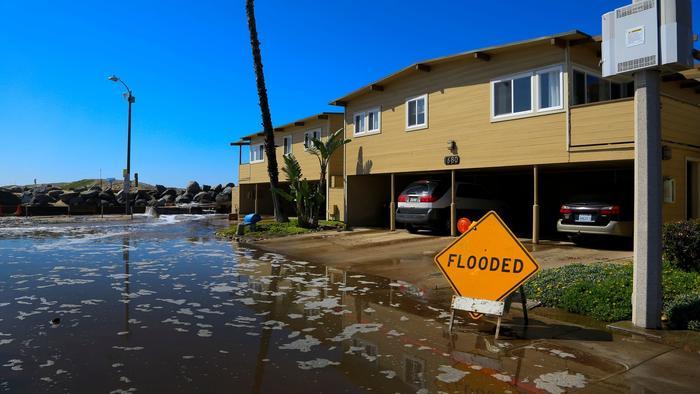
(257, 197)
(533, 194)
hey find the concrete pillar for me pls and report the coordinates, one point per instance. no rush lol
(646, 295)
(453, 206)
(392, 205)
(255, 200)
(535, 206)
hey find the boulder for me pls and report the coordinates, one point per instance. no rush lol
(91, 193)
(193, 188)
(76, 201)
(8, 198)
(202, 197)
(67, 196)
(218, 188)
(55, 193)
(95, 187)
(160, 189)
(224, 196)
(15, 189)
(166, 199)
(206, 188)
(40, 199)
(230, 185)
(183, 199)
(26, 197)
(140, 202)
(169, 192)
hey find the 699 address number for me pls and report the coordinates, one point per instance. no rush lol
(451, 160)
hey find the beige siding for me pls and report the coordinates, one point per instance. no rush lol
(459, 109)
(603, 123)
(235, 199)
(676, 168)
(680, 122)
(257, 172)
(335, 203)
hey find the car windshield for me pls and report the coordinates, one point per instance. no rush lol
(595, 198)
(424, 188)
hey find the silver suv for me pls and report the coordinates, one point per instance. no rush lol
(426, 204)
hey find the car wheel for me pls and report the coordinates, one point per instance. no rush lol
(411, 229)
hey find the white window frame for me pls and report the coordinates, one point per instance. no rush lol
(512, 78)
(256, 149)
(535, 93)
(538, 93)
(284, 145)
(365, 116)
(419, 126)
(311, 132)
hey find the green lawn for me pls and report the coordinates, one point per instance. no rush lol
(269, 228)
(603, 291)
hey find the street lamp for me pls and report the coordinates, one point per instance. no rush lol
(127, 174)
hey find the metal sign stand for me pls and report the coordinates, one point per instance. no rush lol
(487, 307)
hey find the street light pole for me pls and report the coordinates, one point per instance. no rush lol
(127, 174)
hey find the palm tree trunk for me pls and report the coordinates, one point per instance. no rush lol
(270, 149)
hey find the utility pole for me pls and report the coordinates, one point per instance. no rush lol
(646, 293)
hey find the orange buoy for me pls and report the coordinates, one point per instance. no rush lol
(463, 225)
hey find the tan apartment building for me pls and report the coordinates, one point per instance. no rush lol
(532, 121)
(254, 193)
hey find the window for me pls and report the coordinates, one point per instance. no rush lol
(417, 112)
(257, 153)
(311, 135)
(549, 88)
(590, 88)
(513, 96)
(533, 91)
(287, 141)
(367, 122)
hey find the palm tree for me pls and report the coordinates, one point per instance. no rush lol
(307, 198)
(270, 149)
(323, 151)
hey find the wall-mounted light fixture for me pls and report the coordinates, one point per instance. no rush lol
(451, 145)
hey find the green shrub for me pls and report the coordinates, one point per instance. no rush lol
(604, 291)
(682, 310)
(677, 283)
(608, 300)
(681, 243)
(694, 325)
(549, 285)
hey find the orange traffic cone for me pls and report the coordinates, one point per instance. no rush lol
(18, 212)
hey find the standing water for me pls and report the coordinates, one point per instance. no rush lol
(161, 305)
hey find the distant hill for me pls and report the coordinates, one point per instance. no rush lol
(116, 184)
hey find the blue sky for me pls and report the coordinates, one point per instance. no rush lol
(190, 67)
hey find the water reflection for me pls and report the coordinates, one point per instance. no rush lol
(210, 316)
(125, 298)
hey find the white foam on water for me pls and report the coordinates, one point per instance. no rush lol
(558, 382)
(450, 374)
(316, 363)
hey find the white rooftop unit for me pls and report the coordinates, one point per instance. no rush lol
(647, 34)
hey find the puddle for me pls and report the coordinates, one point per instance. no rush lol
(163, 306)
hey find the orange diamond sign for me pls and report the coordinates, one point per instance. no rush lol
(487, 262)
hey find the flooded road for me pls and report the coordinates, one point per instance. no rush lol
(161, 305)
